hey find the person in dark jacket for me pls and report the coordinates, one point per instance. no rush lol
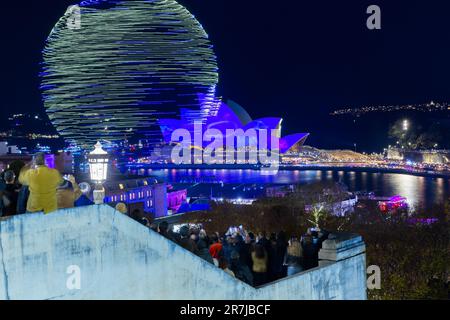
(281, 251)
(247, 249)
(164, 230)
(272, 269)
(24, 193)
(241, 271)
(186, 241)
(9, 195)
(203, 250)
(236, 243)
(263, 240)
(226, 248)
(310, 253)
(22, 199)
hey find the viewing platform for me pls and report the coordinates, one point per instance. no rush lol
(115, 257)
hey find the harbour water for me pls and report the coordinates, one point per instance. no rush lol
(421, 192)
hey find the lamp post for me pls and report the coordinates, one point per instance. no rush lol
(98, 169)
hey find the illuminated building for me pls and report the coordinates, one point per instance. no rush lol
(231, 116)
(145, 194)
(129, 63)
(5, 148)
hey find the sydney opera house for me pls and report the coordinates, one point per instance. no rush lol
(231, 117)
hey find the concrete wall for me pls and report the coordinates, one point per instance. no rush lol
(121, 259)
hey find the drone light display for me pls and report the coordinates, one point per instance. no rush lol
(126, 64)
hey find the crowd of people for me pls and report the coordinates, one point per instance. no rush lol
(253, 259)
(34, 187)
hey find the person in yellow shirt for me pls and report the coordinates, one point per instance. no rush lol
(43, 183)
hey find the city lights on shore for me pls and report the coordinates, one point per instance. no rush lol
(425, 107)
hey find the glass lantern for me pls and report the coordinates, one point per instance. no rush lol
(98, 164)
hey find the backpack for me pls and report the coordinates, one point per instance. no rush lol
(5, 200)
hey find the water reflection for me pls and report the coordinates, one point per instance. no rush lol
(419, 190)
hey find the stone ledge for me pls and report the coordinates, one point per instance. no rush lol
(340, 240)
(340, 246)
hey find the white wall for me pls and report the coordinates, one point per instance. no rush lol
(121, 259)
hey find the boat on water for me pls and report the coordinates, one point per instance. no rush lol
(394, 204)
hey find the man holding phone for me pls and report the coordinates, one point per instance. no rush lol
(43, 183)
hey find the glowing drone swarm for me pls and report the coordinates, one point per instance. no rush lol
(129, 63)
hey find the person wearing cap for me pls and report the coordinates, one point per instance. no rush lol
(43, 183)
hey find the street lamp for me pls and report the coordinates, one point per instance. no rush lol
(98, 169)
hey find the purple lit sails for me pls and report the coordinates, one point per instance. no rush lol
(234, 117)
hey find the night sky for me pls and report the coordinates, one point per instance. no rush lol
(294, 59)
